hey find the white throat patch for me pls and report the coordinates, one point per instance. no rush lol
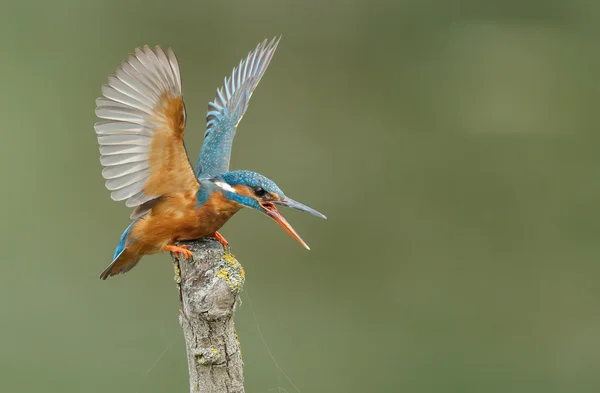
(225, 186)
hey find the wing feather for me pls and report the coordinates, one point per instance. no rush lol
(127, 84)
(141, 136)
(113, 172)
(121, 128)
(124, 139)
(127, 191)
(112, 150)
(120, 92)
(137, 200)
(123, 181)
(228, 108)
(175, 67)
(121, 113)
(120, 159)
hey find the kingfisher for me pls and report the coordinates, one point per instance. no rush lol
(145, 162)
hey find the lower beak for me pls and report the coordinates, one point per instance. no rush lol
(272, 212)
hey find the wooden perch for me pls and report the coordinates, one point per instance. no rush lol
(208, 288)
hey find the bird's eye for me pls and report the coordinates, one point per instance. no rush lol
(259, 191)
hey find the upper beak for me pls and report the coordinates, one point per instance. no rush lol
(298, 206)
(272, 212)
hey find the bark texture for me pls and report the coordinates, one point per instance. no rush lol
(209, 287)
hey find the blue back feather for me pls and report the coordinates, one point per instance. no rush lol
(203, 193)
(123, 240)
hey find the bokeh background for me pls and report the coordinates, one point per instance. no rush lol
(453, 145)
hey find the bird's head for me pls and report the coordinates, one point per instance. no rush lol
(251, 189)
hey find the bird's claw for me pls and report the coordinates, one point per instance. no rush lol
(222, 240)
(179, 251)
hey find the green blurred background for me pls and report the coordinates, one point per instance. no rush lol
(453, 146)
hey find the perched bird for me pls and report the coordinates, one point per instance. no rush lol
(146, 164)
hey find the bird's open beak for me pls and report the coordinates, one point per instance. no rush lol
(272, 212)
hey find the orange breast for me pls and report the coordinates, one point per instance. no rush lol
(176, 218)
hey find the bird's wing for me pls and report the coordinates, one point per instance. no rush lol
(228, 108)
(141, 138)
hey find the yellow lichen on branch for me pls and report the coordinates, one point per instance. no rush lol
(233, 272)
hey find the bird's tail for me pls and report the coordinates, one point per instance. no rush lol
(124, 258)
(123, 263)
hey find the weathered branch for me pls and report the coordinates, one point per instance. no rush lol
(209, 287)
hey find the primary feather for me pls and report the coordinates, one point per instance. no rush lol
(228, 108)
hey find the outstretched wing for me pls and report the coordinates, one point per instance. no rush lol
(228, 108)
(141, 138)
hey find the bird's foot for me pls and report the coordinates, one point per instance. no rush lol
(221, 240)
(179, 251)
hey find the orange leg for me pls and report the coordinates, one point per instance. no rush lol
(179, 250)
(221, 239)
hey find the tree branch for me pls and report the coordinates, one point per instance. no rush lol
(208, 288)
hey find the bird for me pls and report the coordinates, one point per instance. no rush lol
(145, 163)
